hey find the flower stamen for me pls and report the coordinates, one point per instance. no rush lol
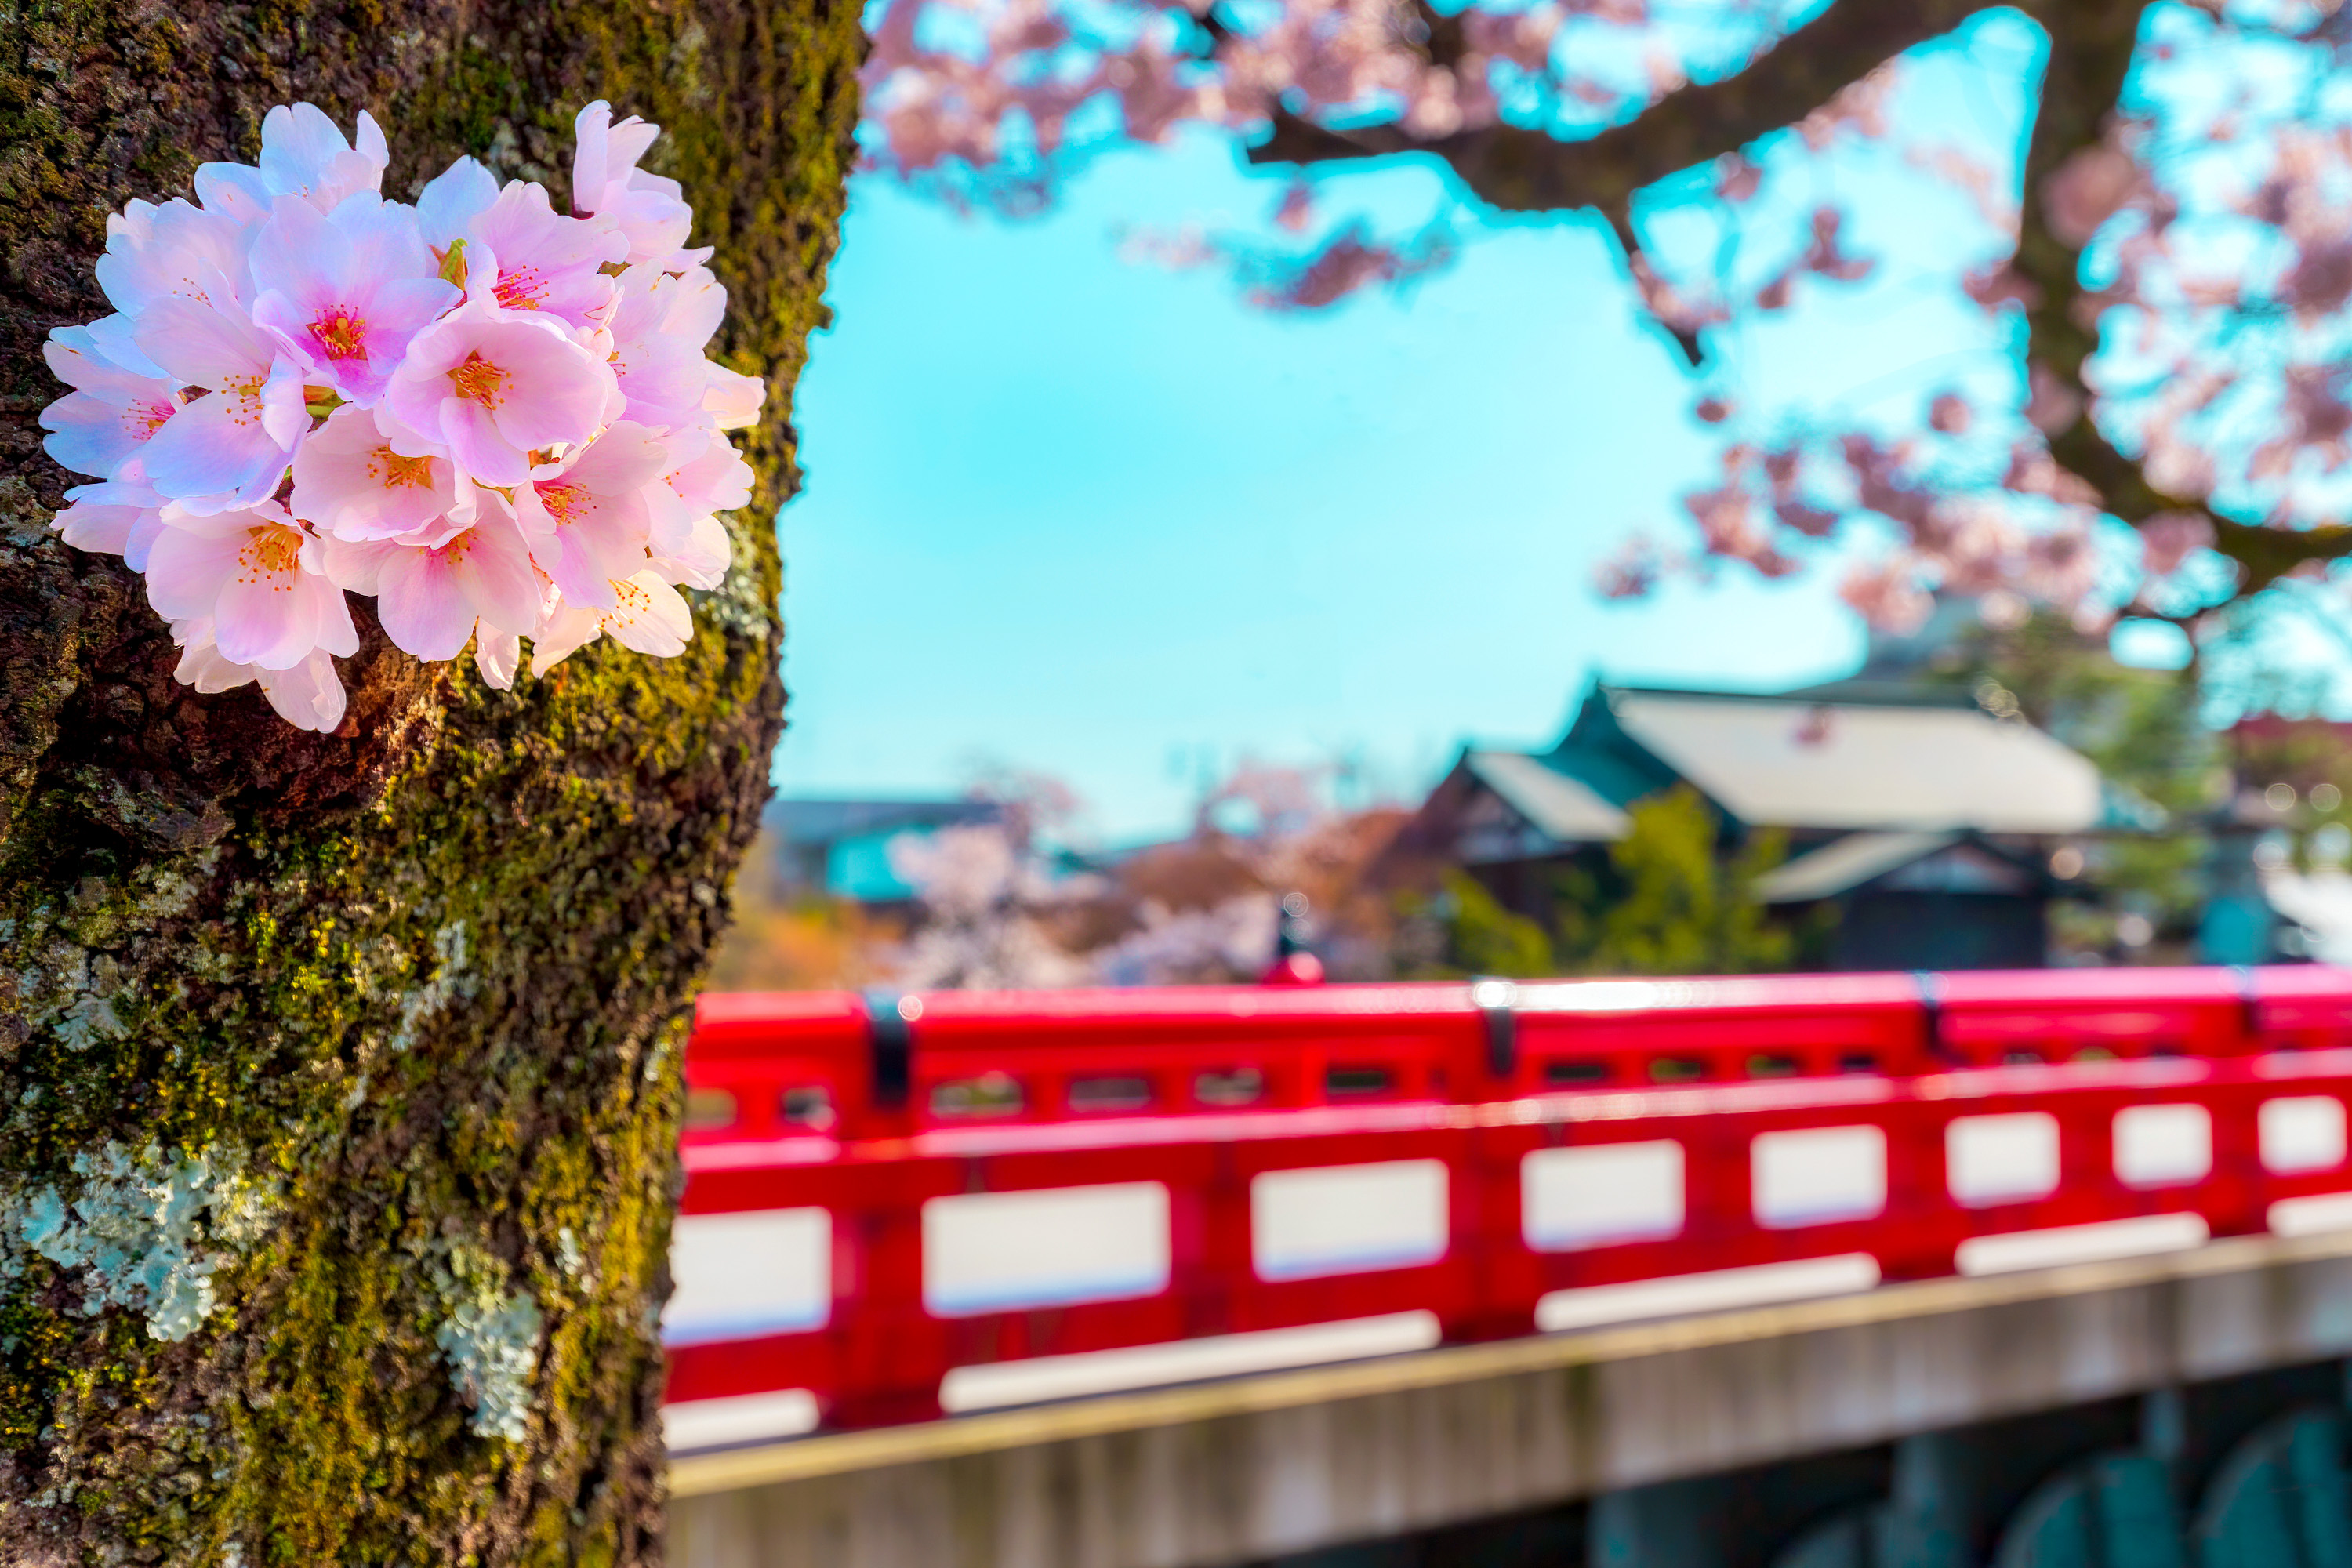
(479, 381)
(342, 332)
(144, 419)
(393, 471)
(269, 557)
(521, 289)
(563, 503)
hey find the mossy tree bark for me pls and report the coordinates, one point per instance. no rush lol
(338, 1073)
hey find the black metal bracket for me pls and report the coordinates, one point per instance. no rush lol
(1497, 1001)
(2250, 1002)
(890, 1046)
(1930, 987)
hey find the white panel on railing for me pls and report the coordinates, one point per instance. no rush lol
(736, 1275)
(2001, 1158)
(2093, 1243)
(2313, 1216)
(2163, 1145)
(994, 1384)
(1818, 1174)
(737, 1419)
(993, 1252)
(2302, 1133)
(1601, 1193)
(1346, 1219)
(1717, 1290)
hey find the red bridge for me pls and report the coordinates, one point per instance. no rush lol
(905, 1205)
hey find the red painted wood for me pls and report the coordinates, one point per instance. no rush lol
(1360, 1074)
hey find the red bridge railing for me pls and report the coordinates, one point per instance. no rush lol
(897, 1205)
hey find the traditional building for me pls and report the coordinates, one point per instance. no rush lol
(1920, 827)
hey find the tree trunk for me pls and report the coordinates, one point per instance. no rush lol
(338, 1074)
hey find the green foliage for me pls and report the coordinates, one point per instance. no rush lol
(1485, 938)
(1674, 899)
(1685, 907)
(2142, 727)
(2142, 730)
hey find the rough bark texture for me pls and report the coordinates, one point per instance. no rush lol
(338, 1075)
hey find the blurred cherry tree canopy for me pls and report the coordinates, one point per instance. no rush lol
(2163, 261)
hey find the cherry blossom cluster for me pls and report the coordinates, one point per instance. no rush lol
(495, 417)
(2209, 225)
(2217, 264)
(1001, 88)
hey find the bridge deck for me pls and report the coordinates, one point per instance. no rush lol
(1247, 1467)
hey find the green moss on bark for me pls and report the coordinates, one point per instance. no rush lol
(420, 984)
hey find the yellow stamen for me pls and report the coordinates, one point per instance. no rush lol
(479, 381)
(269, 556)
(521, 289)
(342, 332)
(563, 503)
(394, 472)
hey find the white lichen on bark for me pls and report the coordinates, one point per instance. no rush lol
(450, 983)
(144, 1232)
(490, 1341)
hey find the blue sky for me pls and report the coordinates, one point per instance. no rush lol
(1072, 512)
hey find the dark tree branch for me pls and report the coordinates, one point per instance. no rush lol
(1214, 33)
(1443, 38)
(1519, 170)
(2091, 48)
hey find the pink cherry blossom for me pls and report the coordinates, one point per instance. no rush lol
(256, 576)
(698, 306)
(648, 616)
(646, 209)
(489, 387)
(303, 153)
(695, 556)
(605, 153)
(345, 291)
(120, 516)
(588, 518)
(307, 695)
(349, 482)
(545, 261)
(2169, 538)
(155, 252)
(116, 336)
(662, 372)
(496, 654)
(732, 399)
(306, 390)
(451, 201)
(706, 476)
(430, 598)
(111, 411)
(230, 447)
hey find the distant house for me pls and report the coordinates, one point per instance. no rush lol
(841, 846)
(1920, 901)
(1513, 819)
(1921, 825)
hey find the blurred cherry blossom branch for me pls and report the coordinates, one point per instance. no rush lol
(2211, 416)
